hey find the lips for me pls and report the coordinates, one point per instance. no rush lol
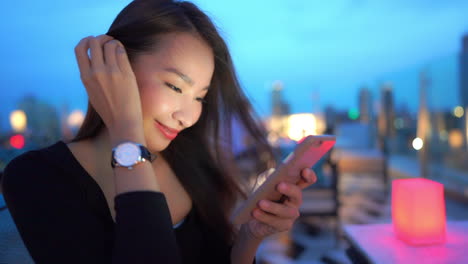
(169, 133)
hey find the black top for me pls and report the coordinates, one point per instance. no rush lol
(63, 217)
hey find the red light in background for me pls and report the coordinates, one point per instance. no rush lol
(17, 141)
(418, 211)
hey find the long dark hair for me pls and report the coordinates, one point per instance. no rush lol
(201, 156)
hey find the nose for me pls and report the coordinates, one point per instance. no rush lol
(187, 114)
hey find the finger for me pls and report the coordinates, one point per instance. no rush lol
(110, 56)
(122, 59)
(308, 177)
(96, 46)
(277, 223)
(278, 209)
(81, 54)
(292, 191)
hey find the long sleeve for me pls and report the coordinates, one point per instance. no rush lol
(143, 233)
(57, 225)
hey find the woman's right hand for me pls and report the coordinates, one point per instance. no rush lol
(110, 82)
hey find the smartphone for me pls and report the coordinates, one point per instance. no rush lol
(305, 155)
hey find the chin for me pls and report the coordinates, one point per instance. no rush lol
(155, 145)
(155, 141)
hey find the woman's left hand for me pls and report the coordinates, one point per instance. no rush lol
(271, 217)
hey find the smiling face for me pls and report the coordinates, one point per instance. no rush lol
(173, 81)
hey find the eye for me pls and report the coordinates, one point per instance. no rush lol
(201, 100)
(176, 89)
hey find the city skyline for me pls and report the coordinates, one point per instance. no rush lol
(325, 49)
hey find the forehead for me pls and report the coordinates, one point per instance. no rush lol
(185, 52)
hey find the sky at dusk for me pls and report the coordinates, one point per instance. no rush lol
(323, 51)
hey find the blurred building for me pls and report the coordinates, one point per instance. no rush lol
(464, 73)
(403, 117)
(386, 118)
(277, 123)
(279, 106)
(365, 106)
(464, 85)
(330, 119)
(424, 125)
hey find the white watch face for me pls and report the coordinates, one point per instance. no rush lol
(127, 154)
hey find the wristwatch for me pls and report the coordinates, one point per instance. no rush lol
(128, 154)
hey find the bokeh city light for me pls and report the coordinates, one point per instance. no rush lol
(458, 111)
(18, 121)
(301, 125)
(418, 144)
(17, 141)
(76, 118)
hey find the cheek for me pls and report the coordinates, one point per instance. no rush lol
(198, 113)
(153, 100)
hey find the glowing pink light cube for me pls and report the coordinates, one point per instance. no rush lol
(418, 211)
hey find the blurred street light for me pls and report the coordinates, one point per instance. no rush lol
(353, 114)
(76, 118)
(17, 141)
(418, 143)
(301, 125)
(455, 139)
(18, 121)
(458, 112)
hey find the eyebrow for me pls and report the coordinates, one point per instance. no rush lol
(184, 77)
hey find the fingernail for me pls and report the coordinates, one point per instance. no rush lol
(120, 49)
(264, 203)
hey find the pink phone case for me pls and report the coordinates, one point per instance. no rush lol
(306, 154)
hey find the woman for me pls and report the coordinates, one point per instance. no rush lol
(148, 178)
